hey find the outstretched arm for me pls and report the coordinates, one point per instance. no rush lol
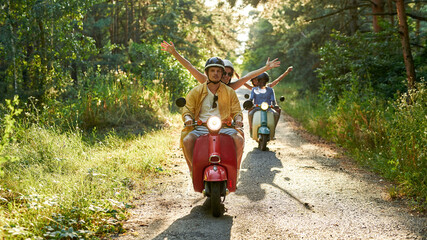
(245, 84)
(275, 82)
(269, 65)
(248, 86)
(170, 47)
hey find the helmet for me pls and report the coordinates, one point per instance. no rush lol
(214, 62)
(263, 76)
(227, 63)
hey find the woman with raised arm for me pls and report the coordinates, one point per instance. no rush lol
(275, 82)
(229, 69)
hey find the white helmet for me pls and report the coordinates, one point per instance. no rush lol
(227, 63)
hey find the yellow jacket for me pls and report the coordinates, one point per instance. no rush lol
(228, 104)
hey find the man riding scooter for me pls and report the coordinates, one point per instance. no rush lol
(212, 146)
(212, 98)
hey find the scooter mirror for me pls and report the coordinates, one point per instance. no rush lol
(282, 98)
(248, 104)
(180, 102)
(247, 96)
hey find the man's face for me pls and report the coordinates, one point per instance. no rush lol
(215, 74)
(228, 74)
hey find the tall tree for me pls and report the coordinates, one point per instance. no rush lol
(377, 11)
(404, 36)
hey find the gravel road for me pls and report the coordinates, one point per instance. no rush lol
(302, 188)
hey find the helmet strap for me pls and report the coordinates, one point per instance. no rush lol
(214, 82)
(228, 84)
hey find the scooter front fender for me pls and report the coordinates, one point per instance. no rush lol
(264, 130)
(215, 173)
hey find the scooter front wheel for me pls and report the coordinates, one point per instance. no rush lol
(262, 142)
(215, 190)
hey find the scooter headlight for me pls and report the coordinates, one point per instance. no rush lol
(214, 123)
(264, 106)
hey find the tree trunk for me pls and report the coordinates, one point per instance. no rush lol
(112, 27)
(126, 24)
(40, 85)
(390, 10)
(74, 72)
(116, 26)
(26, 78)
(12, 40)
(354, 18)
(132, 20)
(404, 37)
(377, 10)
(417, 23)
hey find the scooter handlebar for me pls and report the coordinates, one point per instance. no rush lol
(204, 123)
(259, 105)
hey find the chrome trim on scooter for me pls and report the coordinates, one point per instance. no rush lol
(213, 156)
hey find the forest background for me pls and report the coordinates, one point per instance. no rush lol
(86, 95)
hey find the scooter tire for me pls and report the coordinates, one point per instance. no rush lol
(215, 197)
(262, 143)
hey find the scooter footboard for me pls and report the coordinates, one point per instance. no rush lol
(201, 161)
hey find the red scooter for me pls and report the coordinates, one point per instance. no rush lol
(215, 165)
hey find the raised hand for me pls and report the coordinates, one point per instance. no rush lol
(272, 64)
(168, 47)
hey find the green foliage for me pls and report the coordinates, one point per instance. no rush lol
(42, 40)
(408, 151)
(262, 43)
(361, 59)
(288, 31)
(7, 129)
(152, 66)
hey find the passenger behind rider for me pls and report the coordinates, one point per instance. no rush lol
(212, 98)
(200, 77)
(261, 93)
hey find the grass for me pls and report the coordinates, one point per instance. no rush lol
(76, 185)
(302, 105)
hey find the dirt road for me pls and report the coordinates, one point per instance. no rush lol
(299, 189)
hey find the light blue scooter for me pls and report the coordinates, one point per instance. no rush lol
(263, 124)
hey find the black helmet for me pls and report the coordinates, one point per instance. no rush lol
(263, 76)
(214, 62)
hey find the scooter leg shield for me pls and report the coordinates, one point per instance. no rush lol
(271, 124)
(256, 123)
(200, 162)
(203, 169)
